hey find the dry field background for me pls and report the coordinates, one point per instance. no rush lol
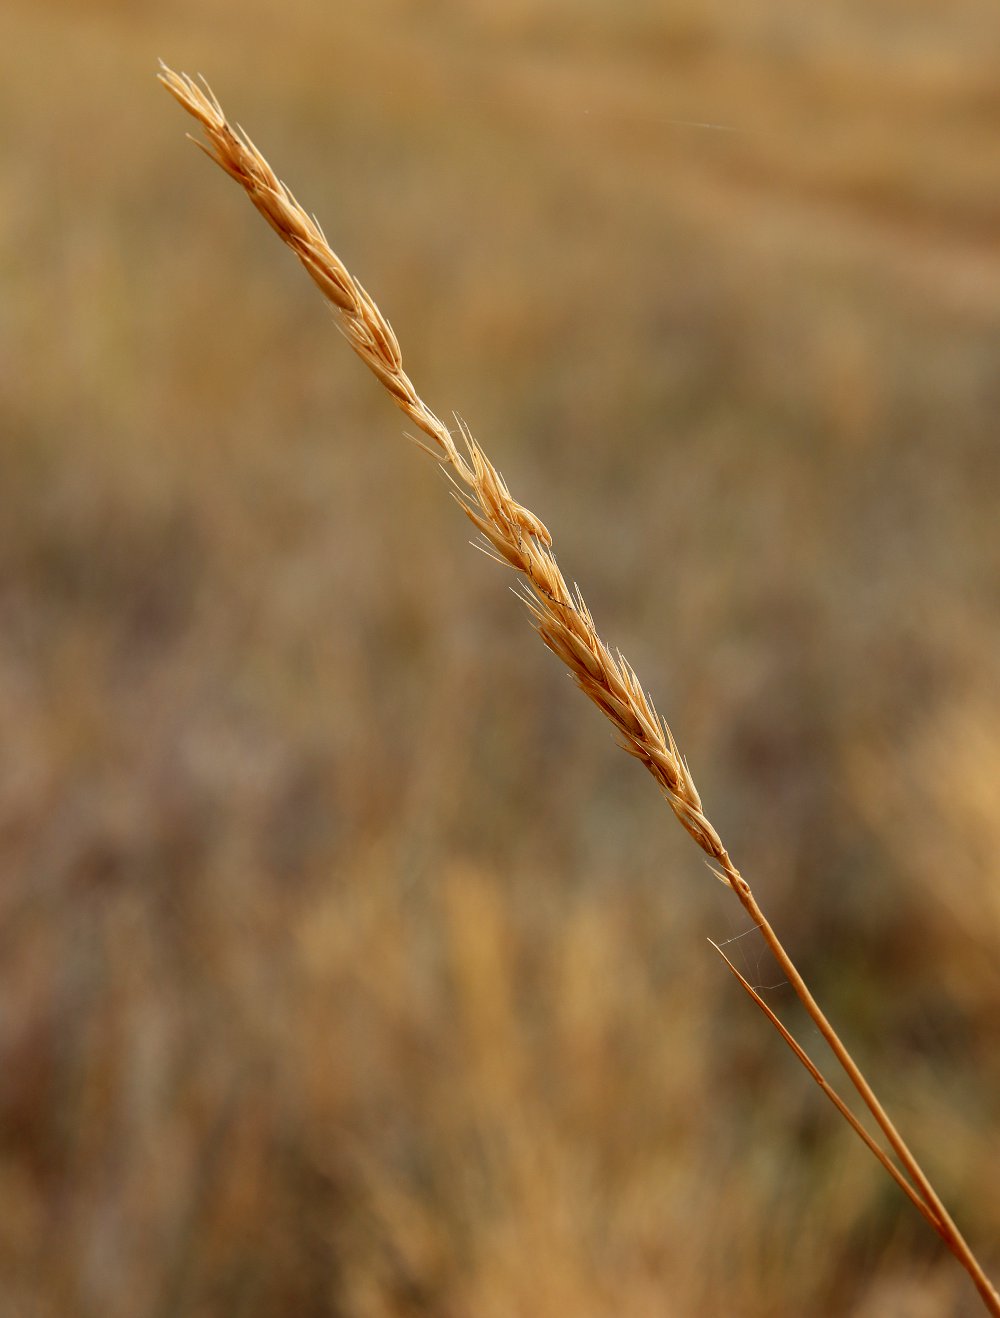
(346, 966)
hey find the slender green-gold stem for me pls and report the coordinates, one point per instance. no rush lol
(828, 1089)
(939, 1216)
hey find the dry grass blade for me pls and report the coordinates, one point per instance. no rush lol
(516, 537)
(834, 1097)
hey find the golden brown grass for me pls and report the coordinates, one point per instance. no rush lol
(348, 966)
(515, 536)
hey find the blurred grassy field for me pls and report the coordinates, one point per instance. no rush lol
(347, 967)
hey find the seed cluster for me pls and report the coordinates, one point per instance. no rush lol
(511, 532)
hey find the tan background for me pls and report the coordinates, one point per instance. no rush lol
(347, 968)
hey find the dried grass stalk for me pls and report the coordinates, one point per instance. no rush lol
(515, 536)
